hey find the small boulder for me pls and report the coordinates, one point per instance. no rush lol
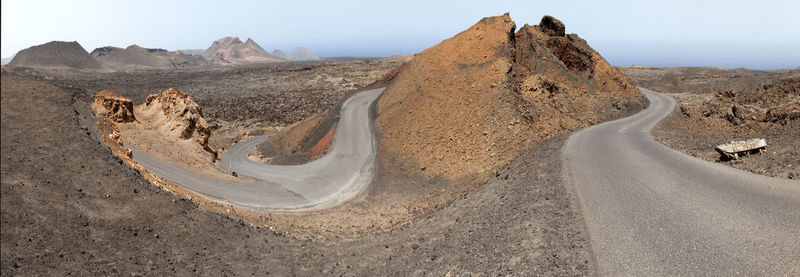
(552, 26)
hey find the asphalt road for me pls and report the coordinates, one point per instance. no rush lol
(340, 175)
(650, 210)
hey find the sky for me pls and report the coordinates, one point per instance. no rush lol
(752, 34)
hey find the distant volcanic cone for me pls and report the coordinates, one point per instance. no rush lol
(232, 51)
(56, 54)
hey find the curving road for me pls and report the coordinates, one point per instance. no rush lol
(650, 210)
(340, 175)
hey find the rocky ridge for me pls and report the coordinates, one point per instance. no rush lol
(137, 57)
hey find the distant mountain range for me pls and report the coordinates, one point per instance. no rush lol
(232, 51)
(137, 57)
(226, 51)
(299, 54)
(198, 52)
(5, 61)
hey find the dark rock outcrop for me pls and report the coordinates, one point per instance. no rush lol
(552, 26)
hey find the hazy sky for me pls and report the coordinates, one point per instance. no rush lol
(754, 34)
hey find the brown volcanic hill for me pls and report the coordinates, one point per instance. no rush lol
(232, 51)
(137, 57)
(474, 102)
(56, 54)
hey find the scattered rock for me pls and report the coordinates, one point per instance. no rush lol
(136, 57)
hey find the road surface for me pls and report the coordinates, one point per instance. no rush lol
(344, 172)
(652, 211)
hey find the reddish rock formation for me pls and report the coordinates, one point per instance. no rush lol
(181, 114)
(113, 106)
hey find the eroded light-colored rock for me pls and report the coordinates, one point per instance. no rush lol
(113, 106)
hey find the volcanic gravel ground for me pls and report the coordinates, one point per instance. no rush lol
(70, 207)
(706, 94)
(237, 99)
(781, 158)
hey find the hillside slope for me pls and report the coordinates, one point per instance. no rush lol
(474, 102)
(56, 54)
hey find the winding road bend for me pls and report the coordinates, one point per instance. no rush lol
(650, 210)
(340, 175)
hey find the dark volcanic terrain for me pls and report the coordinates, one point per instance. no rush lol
(69, 207)
(238, 99)
(721, 105)
(469, 180)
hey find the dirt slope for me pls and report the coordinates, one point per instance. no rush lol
(57, 54)
(474, 102)
(232, 51)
